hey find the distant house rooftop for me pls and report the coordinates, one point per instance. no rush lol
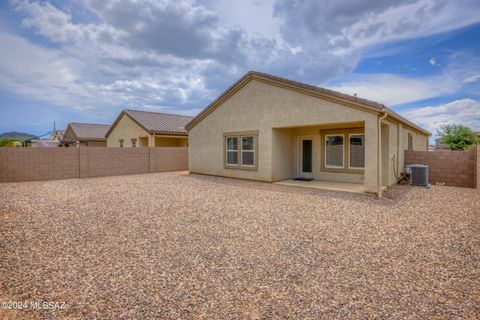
(89, 131)
(156, 122)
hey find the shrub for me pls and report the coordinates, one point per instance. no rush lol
(457, 136)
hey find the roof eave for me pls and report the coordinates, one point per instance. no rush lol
(405, 121)
(252, 75)
(293, 85)
(169, 133)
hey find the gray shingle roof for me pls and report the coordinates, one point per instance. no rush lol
(89, 131)
(156, 122)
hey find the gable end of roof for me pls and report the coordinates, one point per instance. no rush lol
(155, 122)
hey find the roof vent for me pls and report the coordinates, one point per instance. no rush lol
(418, 175)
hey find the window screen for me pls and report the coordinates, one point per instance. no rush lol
(248, 151)
(334, 151)
(357, 151)
(232, 150)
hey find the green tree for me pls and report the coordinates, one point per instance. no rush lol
(457, 136)
(5, 141)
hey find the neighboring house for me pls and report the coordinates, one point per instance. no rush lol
(44, 143)
(269, 128)
(136, 128)
(55, 140)
(85, 134)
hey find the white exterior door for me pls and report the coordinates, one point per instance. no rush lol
(305, 157)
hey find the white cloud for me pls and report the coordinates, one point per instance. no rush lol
(28, 70)
(59, 78)
(181, 54)
(433, 61)
(473, 78)
(408, 19)
(392, 89)
(388, 89)
(464, 111)
(344, 25)
(253, 15)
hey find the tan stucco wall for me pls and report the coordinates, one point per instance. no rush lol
(292, 161)
(260, 106)
(393, 149)
(390, 152)
(420, 143)
(171, 142)
(69, 135)
(96, 143)
(127, 130)
(283, 156)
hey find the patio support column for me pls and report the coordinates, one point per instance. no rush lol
(151, 140)
(400, 154)
(372, 163)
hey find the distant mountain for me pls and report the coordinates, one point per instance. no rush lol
(16, 135)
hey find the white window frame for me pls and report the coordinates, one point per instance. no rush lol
(252, 151)
(240, 135)
(232, 150)
(350, 147)
(343, 151)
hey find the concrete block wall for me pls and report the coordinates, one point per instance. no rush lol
(30, 164)
(453, 168)
(477, 185)
(168, 159)
(118, 161)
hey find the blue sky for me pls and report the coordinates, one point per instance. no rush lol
(85, 61)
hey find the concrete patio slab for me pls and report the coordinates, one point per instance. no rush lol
(322, 184)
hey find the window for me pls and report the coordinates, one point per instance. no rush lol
(410, 141)
(232, 150)
(121, 143)
(248, 151)
(334, 146)
(134, 143)
(343, 150)
(357, 151)
(241, 150)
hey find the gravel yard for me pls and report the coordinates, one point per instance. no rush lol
(173, 245)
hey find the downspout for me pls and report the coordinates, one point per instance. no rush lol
(379, 155)
(399, 147)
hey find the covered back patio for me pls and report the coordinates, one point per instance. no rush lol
(337, 156)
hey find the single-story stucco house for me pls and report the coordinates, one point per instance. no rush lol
(136, 128)
(85, 134)
(268, 128)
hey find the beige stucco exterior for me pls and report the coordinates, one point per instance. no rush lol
(281, 116)
(126, 129)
